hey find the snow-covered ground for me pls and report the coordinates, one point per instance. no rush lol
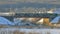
(40, 31)
(5, 21)
(56, 20)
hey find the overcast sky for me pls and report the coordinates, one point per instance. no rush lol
(38, 1)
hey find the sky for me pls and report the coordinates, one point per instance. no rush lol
(38, 1)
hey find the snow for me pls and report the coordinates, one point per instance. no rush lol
(5, 21)
(55, 20)
(43, 31)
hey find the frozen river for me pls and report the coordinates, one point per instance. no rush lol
(26, 31)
